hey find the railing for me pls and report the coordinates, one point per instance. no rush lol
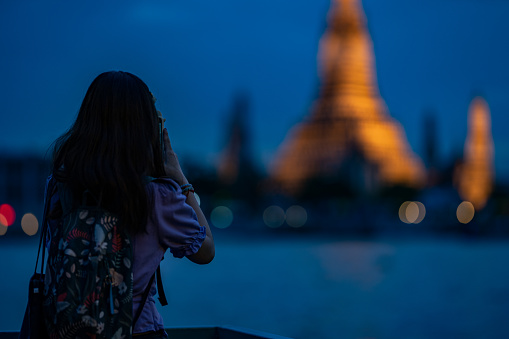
(221, 332)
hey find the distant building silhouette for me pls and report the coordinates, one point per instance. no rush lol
(475, 176)
(430, 140)
(236, 170)
(236, 155)
(349, 119)
(430, 151)
(22, 180)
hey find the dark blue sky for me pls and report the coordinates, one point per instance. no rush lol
(430, 55)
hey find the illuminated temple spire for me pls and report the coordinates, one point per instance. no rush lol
(349, 115)
(476, 175)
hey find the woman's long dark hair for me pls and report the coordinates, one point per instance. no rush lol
(112, 146)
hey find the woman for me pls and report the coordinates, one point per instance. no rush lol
(113, 150)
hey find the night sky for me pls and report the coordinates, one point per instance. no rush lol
(431, 56)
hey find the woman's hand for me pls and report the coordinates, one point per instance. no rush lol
(171, 161)
(172, 169)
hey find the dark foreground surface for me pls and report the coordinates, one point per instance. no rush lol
(224, 332)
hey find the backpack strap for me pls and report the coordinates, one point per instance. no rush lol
(143, 300)
(50, 189)
(160, 289)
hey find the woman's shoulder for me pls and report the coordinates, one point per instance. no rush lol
(162, 185)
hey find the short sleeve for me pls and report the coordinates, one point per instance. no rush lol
(176, 222)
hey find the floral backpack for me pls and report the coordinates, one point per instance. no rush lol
(89, 279)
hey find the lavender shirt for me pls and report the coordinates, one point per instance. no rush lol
(172, 224)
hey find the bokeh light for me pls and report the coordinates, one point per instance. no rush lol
(30, 224)
(402, 212)
(274, 216)
(7, 215)
(422, 212)
(296, 216)
(465, 212)
(412, 212)
(3, 229)
(221, 217)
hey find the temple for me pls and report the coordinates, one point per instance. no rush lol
(349, 120)
(475, 176)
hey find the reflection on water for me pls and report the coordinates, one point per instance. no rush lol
(360, 263)
(316, 287)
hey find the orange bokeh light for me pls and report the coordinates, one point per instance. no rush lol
(7, 215)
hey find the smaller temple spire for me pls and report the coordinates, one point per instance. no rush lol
(476, 174)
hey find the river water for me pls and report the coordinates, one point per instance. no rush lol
(319, 286)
